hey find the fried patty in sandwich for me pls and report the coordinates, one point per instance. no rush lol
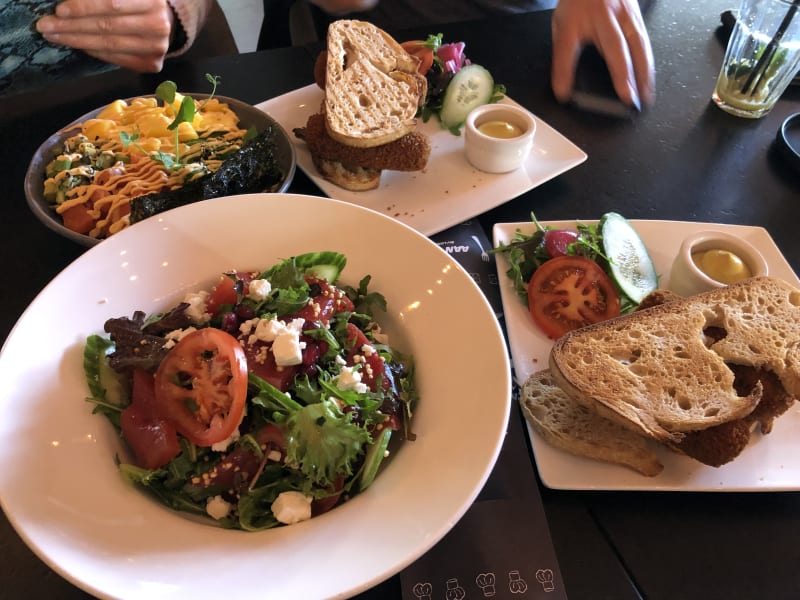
(409, 153)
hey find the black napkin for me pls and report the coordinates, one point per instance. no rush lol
(468, 243)
(500, 549)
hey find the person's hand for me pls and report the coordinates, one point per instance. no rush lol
(130, 33)
(618, 31)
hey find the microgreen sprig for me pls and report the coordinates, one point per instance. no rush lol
(166, 91)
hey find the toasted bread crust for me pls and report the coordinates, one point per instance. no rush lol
(372, 86)
(574, 428)
(656, 371)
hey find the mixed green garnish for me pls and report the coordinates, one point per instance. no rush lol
(612, 243)
(266, 401)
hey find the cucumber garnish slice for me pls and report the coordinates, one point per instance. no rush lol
(471, 87)
(629, 260)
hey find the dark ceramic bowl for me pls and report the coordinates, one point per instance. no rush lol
(249, 116)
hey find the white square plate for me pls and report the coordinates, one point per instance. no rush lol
(769, 463)
(449, 190)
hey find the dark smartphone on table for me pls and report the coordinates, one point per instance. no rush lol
(594, 90)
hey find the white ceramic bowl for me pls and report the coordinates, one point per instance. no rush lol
(687, 279)
(79, 516)
(498, 154)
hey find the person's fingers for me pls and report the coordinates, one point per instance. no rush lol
(617, 29)
(116, 44)
(139, 63)
(636, 43)
(641, 55)
(94, 8)
(96, 28)
(612, 44)
(567, 46)
(150, 19)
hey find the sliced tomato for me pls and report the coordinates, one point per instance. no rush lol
(201, 386)
(324, 305)
(373, 371)
(261, 362)
(239, 466)
(569, 292)
(422, 52)
(78, 218)
(151, 437)
(323, 505)
(225, 292)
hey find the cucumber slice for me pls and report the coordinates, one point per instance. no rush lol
(104, 383)
(325, 265)
(629, 260)
(330, 273)
(471, 87)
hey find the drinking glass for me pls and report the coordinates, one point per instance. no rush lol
(762, 57)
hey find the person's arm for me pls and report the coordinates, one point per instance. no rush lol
(136, 34)
(617, 29)
(192, 15)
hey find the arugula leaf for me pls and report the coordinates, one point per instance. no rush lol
(153, 481)
(280, 405)
(363, 300)
(525, 253)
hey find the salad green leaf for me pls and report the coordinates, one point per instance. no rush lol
(324, 442)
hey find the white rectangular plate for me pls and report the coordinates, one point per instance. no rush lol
(769, 463)
(449, 190)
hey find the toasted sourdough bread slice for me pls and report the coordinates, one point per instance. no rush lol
(372, 86)
(574, 428)
(658, 372)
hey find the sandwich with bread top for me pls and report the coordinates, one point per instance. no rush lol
(367, 120)
(699, 375)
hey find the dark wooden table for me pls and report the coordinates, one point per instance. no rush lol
(684, 159)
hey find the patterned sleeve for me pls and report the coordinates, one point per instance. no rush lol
(191, 16)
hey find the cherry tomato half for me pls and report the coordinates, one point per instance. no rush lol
(569, 292)
(201, 386)
(422, 52)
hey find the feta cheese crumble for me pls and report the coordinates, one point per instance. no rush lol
(218, 508)
(197, 311)
(350, 379)
(292, 507)
(176, 335)
(285, 338)
(259, 289)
